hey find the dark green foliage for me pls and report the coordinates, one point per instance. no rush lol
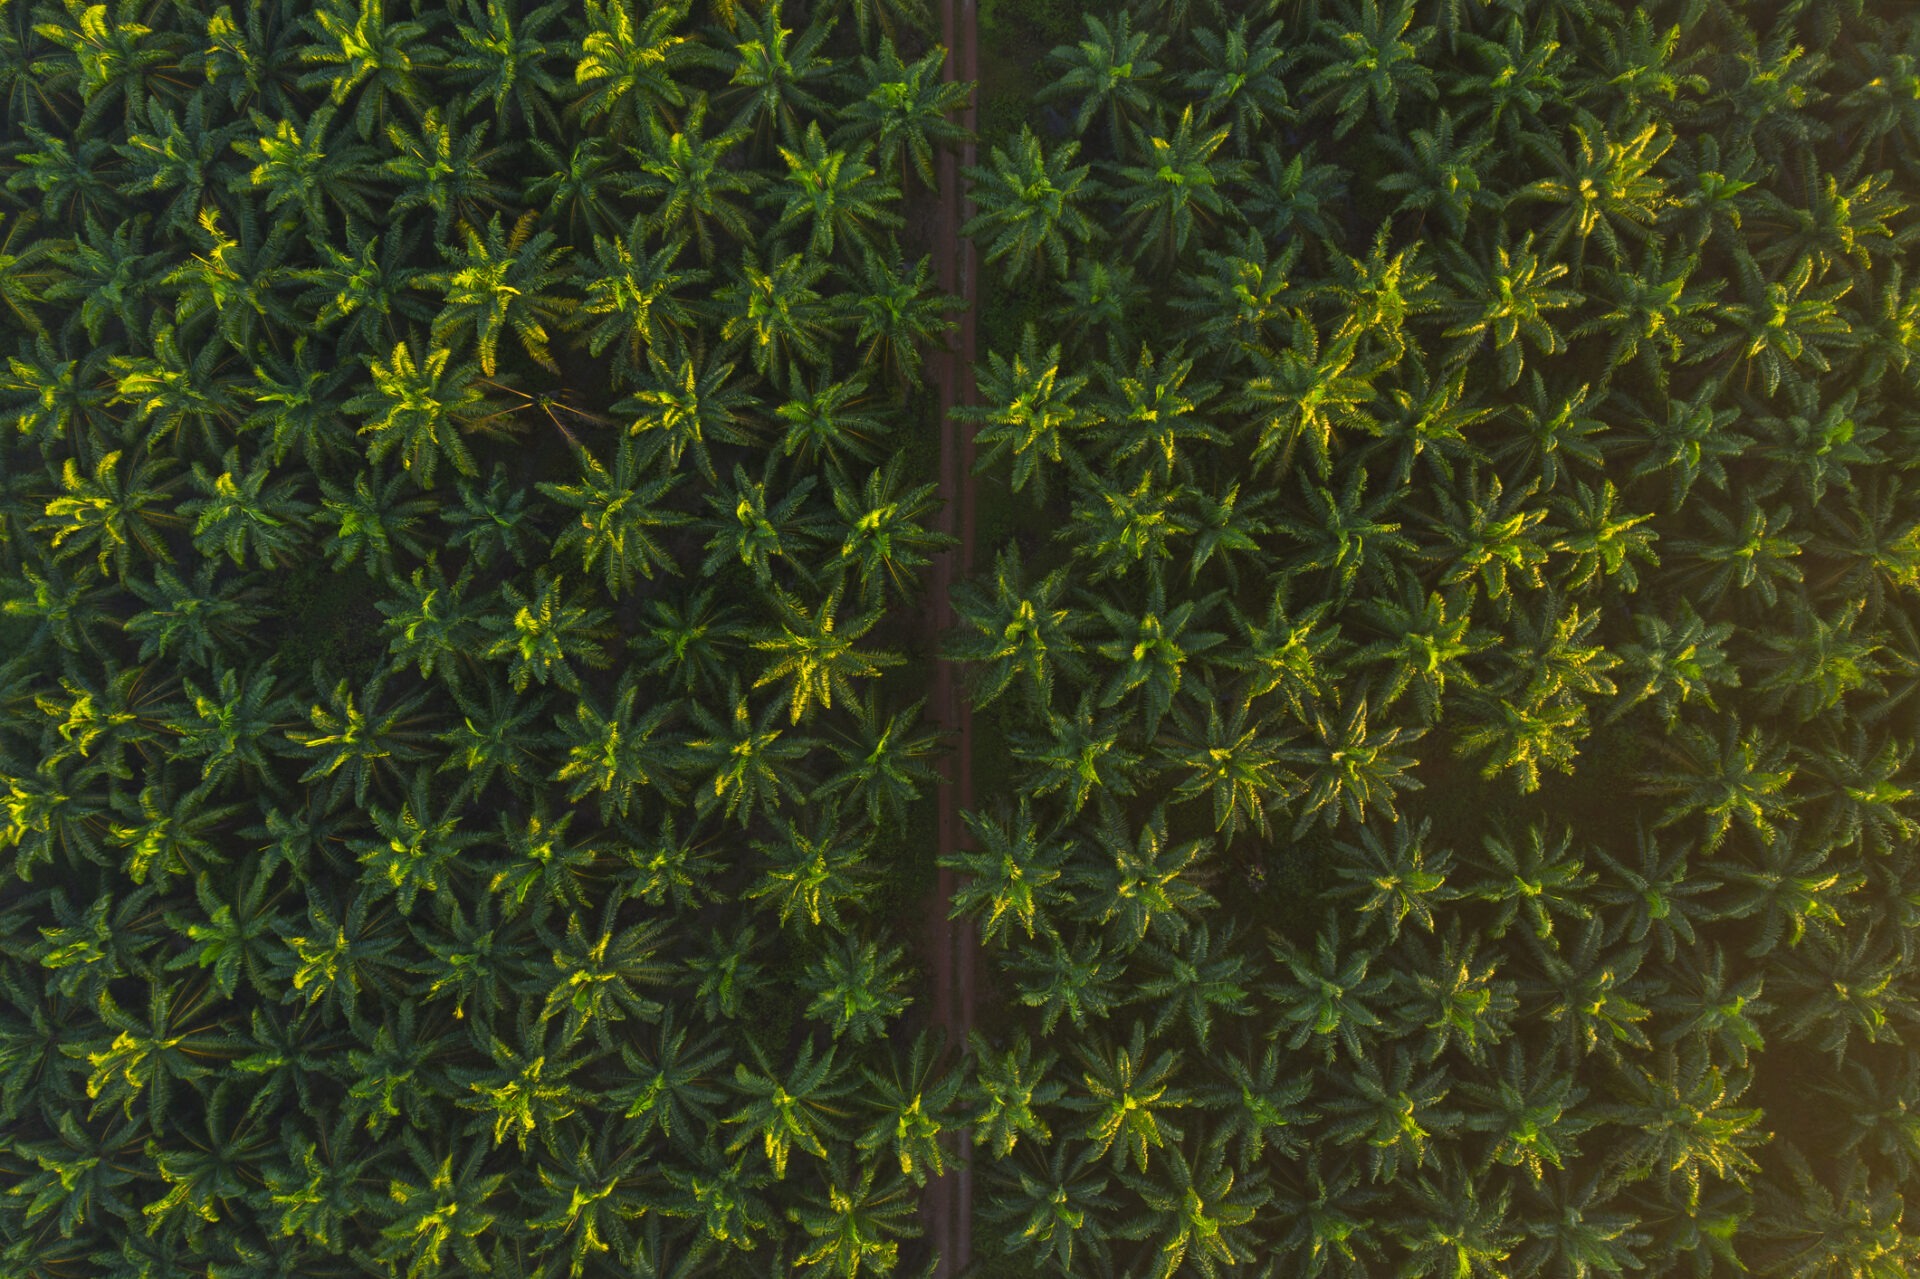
(409, 876)
(1522, 844)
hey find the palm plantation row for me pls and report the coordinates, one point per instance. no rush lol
(1446, 663)
(464, 505)
(1452, 640)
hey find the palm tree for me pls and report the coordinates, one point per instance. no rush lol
(898, 315)
(1679, 1121)
(502, 285)
(1651, 898)
(1758, 554)
(1140, 880)
(629, 69)
(1350, 767)
(1175, 187)
(1369, 58)
(357, 49)
(851, 1230)
(1783, 326)
(1507, 300)
(444, 169)
(748, 767)
(816, 656)
(1532, 1112)
(1793, 890)
(686, 173)
(1241, 79)
(1652, 314)
(1328, 996)
(774, 82)
(639, 295)
(1013, 877)
(1398, 1116)
(111, 514)
(777, 314)
(618, 509)
(684, 405)
(1024, 632)
(505, 56)
(613, 754)
(360, 738)
(1126, 1096)
(1079, 753)
(913, 1104)
(295, 167)
(1292, 655)
(885, 761)
(815, 872)
(1305, 392)
(1604, 188)
(855, 988)
(903, 107)
(203, 619)
(824, 419)
(1008, 1084)
(724, 1194)
(1197, 1217)
(1846, 1223)
(1027, 204)
(545, 631)
(1026, 409)
(434, 623)
(886, 536)
(753, 529)
(1112, 72)
(794, 1108)
(420, 408)
(1193, 979)
(241, 512)
(1236, 765)
(1324, 1228)
(1152, 649)
(1051, 1207)
(369, 285)
(833, 192)
(1122, 528)
(1489, 535)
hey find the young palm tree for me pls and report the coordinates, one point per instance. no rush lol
(815, 656)
(1126, 1097)
(420, 408)
(629, 69)
(903, 107)
(773, 81)
(834, 193)
(1175, 188)
(1198, 1219)
(1112, 73)
(687, 173)
(1028, 206)
(1013, 877)
(1371, 57)
(640, 297)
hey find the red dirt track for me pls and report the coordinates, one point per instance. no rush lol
(948, 1207)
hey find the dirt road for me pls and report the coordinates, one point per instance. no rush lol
(949, 1203)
